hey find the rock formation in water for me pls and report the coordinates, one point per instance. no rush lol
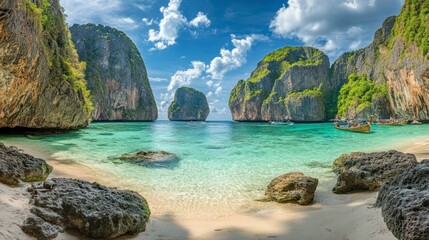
(90, 209)
(42, 83)
(151, 158)
(369, 171)
(292, 187)
(388, 78)
(116, 74)
(188, 105)
(398, 58)
(287, 83)
(404, 203)
(16, 167)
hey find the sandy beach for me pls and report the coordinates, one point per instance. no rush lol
(348, 216)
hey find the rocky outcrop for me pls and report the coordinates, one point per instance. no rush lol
(37, 227)
(150, 158)
(116, 74)
(287, 83)
(369, 171)
(188, 105)
(404, 203)
(398, 58)
(90, 209)
(292, 187)
(16, 167)
(42, 83)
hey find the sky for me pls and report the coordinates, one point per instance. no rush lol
(212, 44)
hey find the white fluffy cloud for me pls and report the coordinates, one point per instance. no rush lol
(148, 22)
(334, 25)
(171, 24)
(200, 20)
(184, 78)
(230, 59)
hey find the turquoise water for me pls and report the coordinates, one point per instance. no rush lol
(223, 164)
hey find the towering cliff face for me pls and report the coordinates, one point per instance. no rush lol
(116, 74)
(188, 105)
(41, 80)
(287, 83)
(398, 58)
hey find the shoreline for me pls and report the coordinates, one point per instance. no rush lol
(332, 216)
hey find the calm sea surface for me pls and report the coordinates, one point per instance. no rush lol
(221, 163)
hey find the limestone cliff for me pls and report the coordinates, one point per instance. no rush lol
(287, 83)
(41, 80)
(398, 58)
(188, 105)
(116, 74)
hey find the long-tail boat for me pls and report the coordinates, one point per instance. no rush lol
(359, 127)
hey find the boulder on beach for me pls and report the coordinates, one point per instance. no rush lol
(368, 171)
(17, 167)
(404, 203)
(150, 158)
(90, 209)
(292, 187)
(40, 229)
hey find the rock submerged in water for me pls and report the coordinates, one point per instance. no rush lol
(16, 167)
(368, 171)
(292, 187)
(188, 105)
(151, 158)
(90, 209)
(404, 203)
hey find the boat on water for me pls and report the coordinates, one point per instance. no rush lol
(281, 123)
(353, 126)
(392, 122)
(416, 122)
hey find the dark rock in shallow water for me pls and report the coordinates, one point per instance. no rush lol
(404, 203)
(292, 187)
(16, 167)
(40, 229)
(368, 171)
(89, 208)
(151, 158)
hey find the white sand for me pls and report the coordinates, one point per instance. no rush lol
(332, 216)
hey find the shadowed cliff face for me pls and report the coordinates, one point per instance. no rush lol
(188, 105)
(398, 58)
(116, 74)
(287, 83)
(41, 81)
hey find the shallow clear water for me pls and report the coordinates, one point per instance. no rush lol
(222, 163)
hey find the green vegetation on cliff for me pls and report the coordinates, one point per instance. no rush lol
(358, 93)
(315, 92)
(116, 74)
(61, 53)
(286, 58)
(413, 24)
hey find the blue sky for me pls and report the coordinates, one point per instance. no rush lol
(211, 44)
